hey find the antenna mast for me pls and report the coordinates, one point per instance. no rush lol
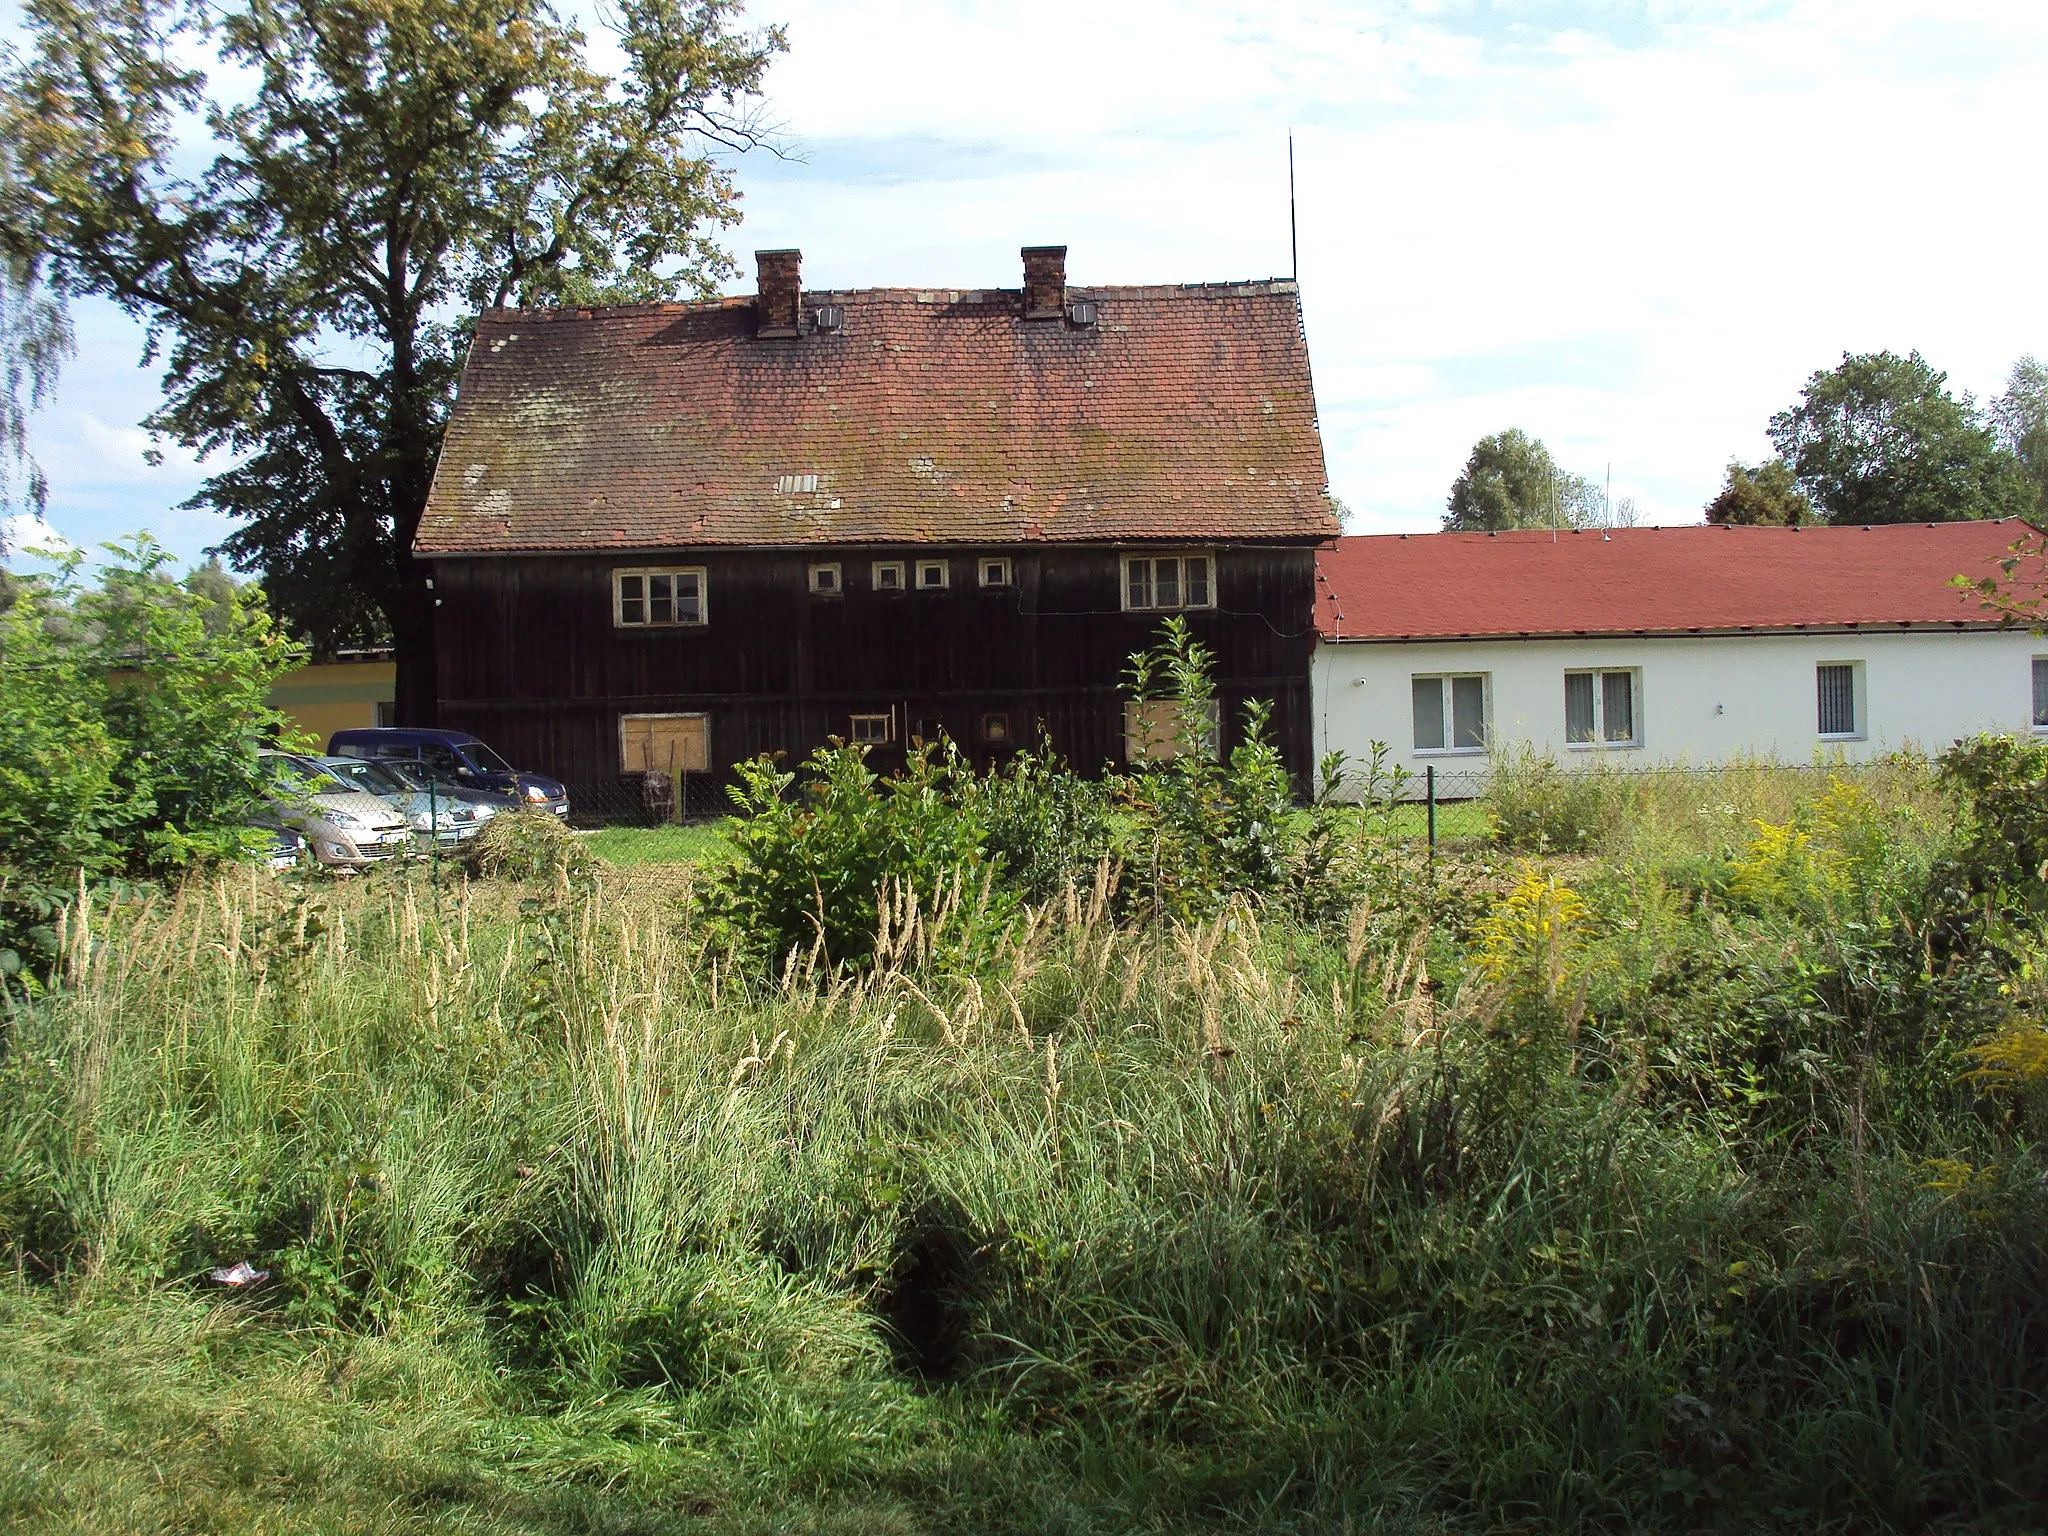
(1293, 235)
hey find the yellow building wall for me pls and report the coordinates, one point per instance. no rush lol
(335, 696)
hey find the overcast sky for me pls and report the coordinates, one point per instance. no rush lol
(1630, 228)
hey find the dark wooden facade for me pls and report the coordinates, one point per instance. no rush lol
(530, 659)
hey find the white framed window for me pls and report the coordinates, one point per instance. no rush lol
(1153, 731)
(995, 570)
(1450, 712)
(2041, 693)
(1604, 708)
(870, 730)
(1838, 713)
(887, 576)
(796, 485)
(658, 597)
(665, 743)
(827, 580)
(934, 575)
(1155, 582)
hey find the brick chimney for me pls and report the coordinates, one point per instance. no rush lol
(780, 288)
(1045, 282)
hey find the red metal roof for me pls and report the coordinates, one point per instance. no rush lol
(1655, 580)
(928, 417)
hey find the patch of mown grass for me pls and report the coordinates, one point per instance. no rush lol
(702, 843)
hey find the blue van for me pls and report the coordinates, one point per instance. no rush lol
(453, 757)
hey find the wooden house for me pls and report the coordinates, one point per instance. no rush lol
(686, 534)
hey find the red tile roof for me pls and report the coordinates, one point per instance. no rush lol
(1655, 580)
(930, 416)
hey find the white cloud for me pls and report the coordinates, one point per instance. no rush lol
(1631, 228)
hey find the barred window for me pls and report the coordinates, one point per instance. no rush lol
(1835, 683)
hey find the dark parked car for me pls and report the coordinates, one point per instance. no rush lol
(455, 756)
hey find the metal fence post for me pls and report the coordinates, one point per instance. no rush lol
(1429, 780)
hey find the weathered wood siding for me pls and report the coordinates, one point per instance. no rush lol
(530, 660)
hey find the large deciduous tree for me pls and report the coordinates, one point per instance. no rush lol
(1765, 496)
(35, 337)
(2020, 419)
(307, 237)
(1511, 481)
(1881, 440)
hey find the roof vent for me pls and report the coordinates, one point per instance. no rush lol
(828, 317)
(1083, 312)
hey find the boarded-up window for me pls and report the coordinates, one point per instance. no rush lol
(1154, 731)
(664, 743)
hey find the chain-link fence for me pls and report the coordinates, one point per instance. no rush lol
(652, 819)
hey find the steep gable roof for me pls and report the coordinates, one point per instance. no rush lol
(928, 417)
(1634, 581)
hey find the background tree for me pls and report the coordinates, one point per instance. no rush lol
(35, 338)
(1765, 496)
(1880, 440)
(2019, 417)
(380, 170)
(1511, 481)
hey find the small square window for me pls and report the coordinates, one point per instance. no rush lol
(871, 729)
(888, 575)
(995, 572)
(933, 575)
(825, 580)
(995, 728)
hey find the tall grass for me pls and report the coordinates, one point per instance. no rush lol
(1227, 1225)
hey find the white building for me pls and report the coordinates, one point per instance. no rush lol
(1655, 645)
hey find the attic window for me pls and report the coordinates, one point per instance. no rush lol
(1154, 582)
(797, 485)
(825, 580)
(658, 599)
(888, 575)
(1083, 312)
(934, 575)
(829, 317)
(995, 571)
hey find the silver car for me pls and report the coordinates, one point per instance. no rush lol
(437, 813)
(346, 828)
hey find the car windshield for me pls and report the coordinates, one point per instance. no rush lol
(412, 776)
(300, 777)
(371, 778)
(486, 759)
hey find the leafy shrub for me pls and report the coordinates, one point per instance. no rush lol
(832, 868)
(524, 844)
(1536, 806)
(1200, 829)
(1049, 827)
(128, 740)
(2001, 787)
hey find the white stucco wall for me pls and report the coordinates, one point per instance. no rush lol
(1703, 699)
